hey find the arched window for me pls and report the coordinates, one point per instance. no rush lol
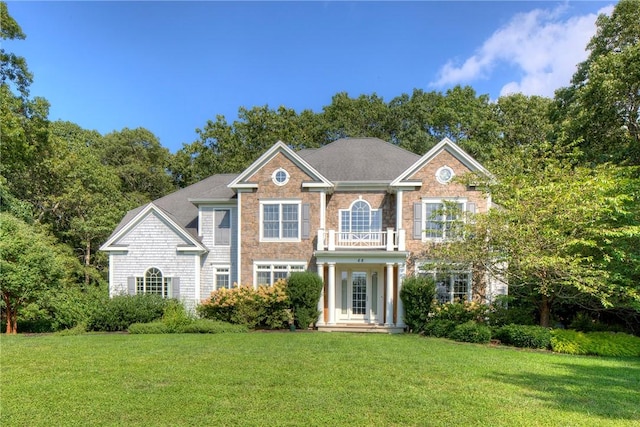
(360, 222)
(153, 283)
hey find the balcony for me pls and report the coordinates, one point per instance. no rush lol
(390, 240)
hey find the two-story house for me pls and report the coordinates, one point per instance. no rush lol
(359, 212)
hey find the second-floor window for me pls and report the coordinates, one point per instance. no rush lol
(360, 222)
(443, 219)
(280, 221)
(222, 230)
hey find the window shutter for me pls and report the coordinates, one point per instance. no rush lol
(417, 220)
(223, 227)
(131, 285)
(175, 287)
(306, 223)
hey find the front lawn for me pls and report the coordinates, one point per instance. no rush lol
(306, 379)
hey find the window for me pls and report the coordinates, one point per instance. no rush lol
(443, 219)
(153, 283)
(222, 227)
(280, 177)
(360, 222)
(280, 221)
(451, 286)
(222, 278)
(269, 273)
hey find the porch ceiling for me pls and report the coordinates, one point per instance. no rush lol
(361, 256)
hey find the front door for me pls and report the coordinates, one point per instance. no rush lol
(359, 296)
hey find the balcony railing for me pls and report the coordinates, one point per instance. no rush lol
(390, 240)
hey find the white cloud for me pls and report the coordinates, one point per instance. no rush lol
(542, 45)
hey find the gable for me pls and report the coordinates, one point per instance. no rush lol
(445, 154)
(151, 222)
(247, 179)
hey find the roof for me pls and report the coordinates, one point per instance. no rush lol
(178, 206)
(360, 159)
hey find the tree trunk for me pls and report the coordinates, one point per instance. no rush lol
(545, 311)
(11, 317)
(87, 262)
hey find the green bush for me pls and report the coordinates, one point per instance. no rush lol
(304, 289)
(460, 312)
(471, 332)
(206, 326)
(417, 294)
(117, 313)
(265, 307)
(524, 336)
(175, 317)
(440, 328)
(594, 343)
(507, 310)
(149, 328)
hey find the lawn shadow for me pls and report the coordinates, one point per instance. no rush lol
(604, 391)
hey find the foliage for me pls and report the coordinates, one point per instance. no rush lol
(30, 263)
(441, 328)
(304, 289)
(157, 327)
(264, 307)
(175, 316)
(595, 343)
(507, 309)
(524, 336)
(471, 332)
(417, 294)
(193, 326)
(460, 312)
(117, 313)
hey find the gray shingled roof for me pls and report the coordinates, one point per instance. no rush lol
(360, 159)
(180, 209)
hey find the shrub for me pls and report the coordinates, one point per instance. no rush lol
(524, 336)
(175, 317)
(265, 307)
(117, 313)
(440, 328)
(79, 329)
(417, 294)
(206, 326)
(594, 343)
(471, 332)
(460, 312)
(506, 310)
(149, 328)
(304, 289)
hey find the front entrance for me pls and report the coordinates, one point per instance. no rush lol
(360, 296)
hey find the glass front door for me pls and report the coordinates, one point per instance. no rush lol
(358, 294)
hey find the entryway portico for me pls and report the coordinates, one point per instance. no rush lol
(361, 290)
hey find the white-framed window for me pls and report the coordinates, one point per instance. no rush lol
(222, 227)
(451, 285)
(360, 222)
(153, 282)
(443, 219)
(222, 277)
(280, 220)
(267, 273)
(280, 177)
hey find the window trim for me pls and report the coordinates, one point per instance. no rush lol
(441, 200)
(275, 179)
(291, 266)
(280, 203)
(167, 282)
(218, 271)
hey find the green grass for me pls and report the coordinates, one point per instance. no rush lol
(306, 379)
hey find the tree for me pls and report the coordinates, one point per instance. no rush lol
(30, 263)
(13, 68)
(565, 234)
(601, 108)
(139, 160)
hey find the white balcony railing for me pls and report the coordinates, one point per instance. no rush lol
(390, 240)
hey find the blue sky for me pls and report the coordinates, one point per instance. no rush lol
(171, 66)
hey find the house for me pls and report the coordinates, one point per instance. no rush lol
(359, 212)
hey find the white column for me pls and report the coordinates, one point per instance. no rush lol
(390, 242)
(400, 306)
(332, 240)
(321, 301)
(239, 240)
(331, 293)
(388, 321)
